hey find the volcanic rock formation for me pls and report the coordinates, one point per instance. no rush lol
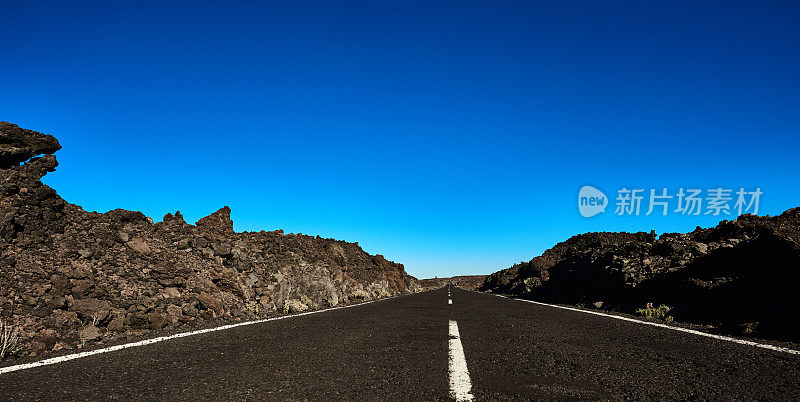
(71, 278)
(739, 277)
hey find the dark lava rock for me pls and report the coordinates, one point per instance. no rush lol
(18, 145)
(70, 277)
(739, 277)
(219, 221)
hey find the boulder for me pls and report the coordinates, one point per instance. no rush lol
(89, 333)
(91, 309)
(220, 221)
(210, 302)
(18, 145)
(139, 246)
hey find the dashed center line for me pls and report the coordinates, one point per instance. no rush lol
(449, 301)
(460, 384)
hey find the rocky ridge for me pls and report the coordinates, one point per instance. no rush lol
(70, 278)
(739, 277)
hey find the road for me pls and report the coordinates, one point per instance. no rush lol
(404, 349)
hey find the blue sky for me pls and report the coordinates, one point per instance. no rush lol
(452, 137)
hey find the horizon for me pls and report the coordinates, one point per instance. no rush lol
(452, 139)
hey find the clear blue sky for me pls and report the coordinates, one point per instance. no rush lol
(450, 136)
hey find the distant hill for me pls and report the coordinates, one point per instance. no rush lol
(471, 282)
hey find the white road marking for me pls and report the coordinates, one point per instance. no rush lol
(460, 384)
(61, 359)
(656, 324)
(449, 301)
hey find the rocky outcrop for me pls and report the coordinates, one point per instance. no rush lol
(739, 277)
(17, 145)
(218, 222)
(71, 278)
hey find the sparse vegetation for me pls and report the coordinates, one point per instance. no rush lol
(9, 338)
(661, 312)
(360, 294)
(253, 307)
(381, 293)
(294, 306)
(96, 319)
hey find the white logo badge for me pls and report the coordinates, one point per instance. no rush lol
(591, 201)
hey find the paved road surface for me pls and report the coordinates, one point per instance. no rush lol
(402, 349)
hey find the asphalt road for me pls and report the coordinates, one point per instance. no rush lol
(397, 349)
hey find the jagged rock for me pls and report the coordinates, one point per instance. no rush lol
(157, 320)
(91, 309)
(74, 274)
(700, 247)
(139, 246)
(174, 219)
(117, 323)
(136, 320)
(89, 333)
(738, 275)
(62, 320)
(174, 313)
(210, 302)
(219, 221)
(171, 293)
(18, 145)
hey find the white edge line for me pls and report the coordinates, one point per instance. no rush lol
(61, 359)
(656, 324)
(460, 383)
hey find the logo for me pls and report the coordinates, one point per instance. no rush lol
(591, 201)
(662, 201)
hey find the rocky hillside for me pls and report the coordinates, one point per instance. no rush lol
(470, 282)
(739, 277)
(71, 278)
